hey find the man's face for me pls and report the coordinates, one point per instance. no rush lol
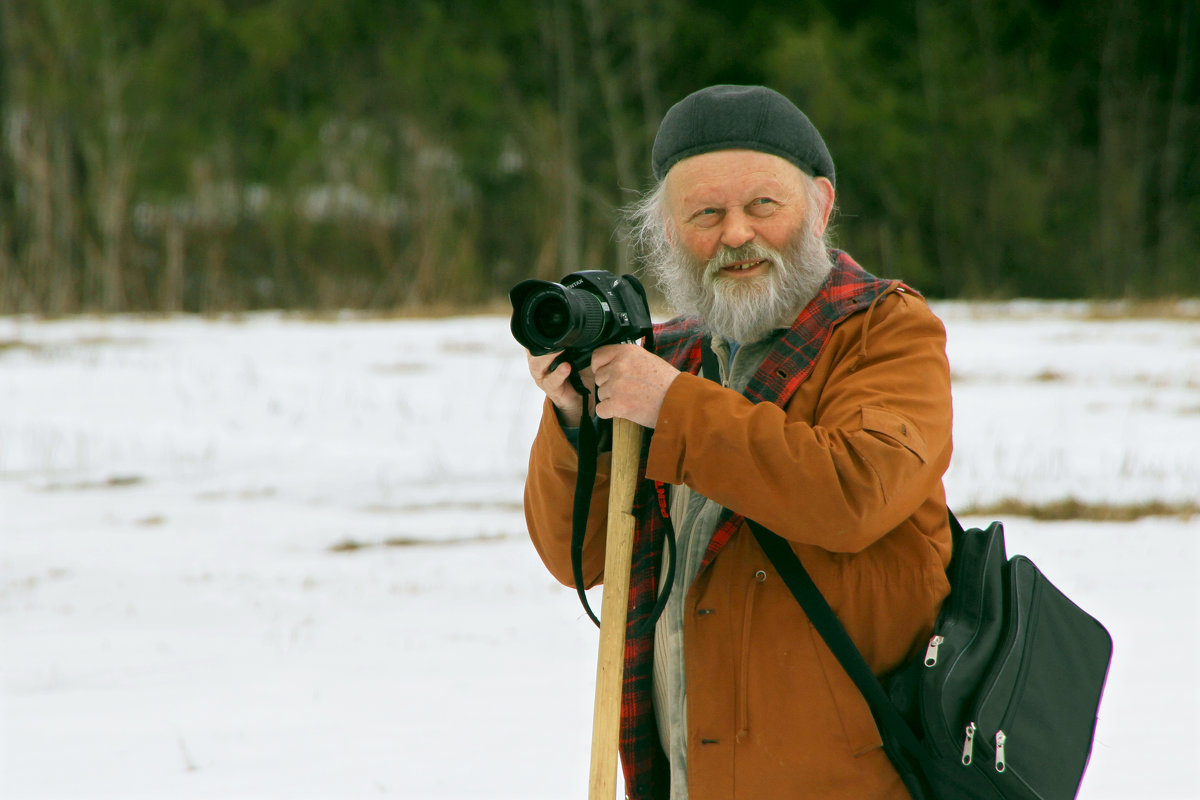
(730, 197)
(746, 250)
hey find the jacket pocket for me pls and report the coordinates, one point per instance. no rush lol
(743, 678)
(894, 426)
(858, 725)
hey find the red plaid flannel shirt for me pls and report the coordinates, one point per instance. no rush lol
(849, 290)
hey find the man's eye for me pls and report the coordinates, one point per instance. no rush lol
(762, 206)
(706, 216)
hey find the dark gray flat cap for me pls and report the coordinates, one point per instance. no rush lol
(740, 118)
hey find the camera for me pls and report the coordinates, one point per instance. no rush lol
(586, 310)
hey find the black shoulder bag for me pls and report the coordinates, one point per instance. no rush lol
(1003, 703)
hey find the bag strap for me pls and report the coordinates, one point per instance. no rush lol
(956, 528)
(709, 367)
(894, 731)
(798, 581)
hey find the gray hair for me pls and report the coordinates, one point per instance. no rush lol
(649, 221)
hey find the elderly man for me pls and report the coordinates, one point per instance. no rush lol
(828, 422)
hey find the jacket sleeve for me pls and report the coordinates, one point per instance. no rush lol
(549, 497)
(874, 449)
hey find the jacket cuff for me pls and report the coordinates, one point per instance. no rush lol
(561, 445)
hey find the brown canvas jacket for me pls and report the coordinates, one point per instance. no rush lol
(851, 473)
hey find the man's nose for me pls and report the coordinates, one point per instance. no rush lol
(737, 228)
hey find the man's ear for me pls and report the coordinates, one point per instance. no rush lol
(827, 194)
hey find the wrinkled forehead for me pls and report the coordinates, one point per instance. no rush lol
(726, 176)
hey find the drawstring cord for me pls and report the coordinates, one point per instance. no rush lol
(894, 286)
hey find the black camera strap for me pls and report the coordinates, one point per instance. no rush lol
(585, 482)
(593, 433)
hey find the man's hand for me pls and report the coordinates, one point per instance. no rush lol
(631, 383)
(556, 386)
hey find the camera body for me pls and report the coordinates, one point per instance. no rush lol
(588, 309)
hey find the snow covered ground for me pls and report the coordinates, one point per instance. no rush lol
(267, 557)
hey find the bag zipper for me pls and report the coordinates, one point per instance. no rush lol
(968, 751)
(1012, 655)
(931, 652)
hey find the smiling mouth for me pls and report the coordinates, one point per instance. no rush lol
(743, 266)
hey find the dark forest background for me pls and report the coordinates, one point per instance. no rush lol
(210, 155)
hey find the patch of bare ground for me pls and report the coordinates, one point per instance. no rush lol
(111, 482)
(445, 505)
(355, 545)
(1173, 309)
(41, 349)
(438, 310)
(1073, 509)
(18, 345)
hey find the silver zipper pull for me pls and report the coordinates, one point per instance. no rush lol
(931, 652)
(969, 745)
(1001, 738)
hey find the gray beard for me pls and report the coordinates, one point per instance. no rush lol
(745, 310)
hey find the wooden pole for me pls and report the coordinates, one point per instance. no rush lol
(606, 717)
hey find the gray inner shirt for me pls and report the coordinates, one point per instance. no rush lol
(694, 518)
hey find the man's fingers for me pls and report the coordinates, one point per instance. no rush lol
(630, 383)
(539, 366)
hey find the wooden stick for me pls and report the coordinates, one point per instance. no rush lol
(606, 717)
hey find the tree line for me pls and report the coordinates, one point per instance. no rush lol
(213, 155)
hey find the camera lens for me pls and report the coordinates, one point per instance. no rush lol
(554, 317)
(594, 319)
(550, 317)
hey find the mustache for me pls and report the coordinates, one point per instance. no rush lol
(750, 251)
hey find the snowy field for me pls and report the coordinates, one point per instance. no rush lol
(274, 558)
